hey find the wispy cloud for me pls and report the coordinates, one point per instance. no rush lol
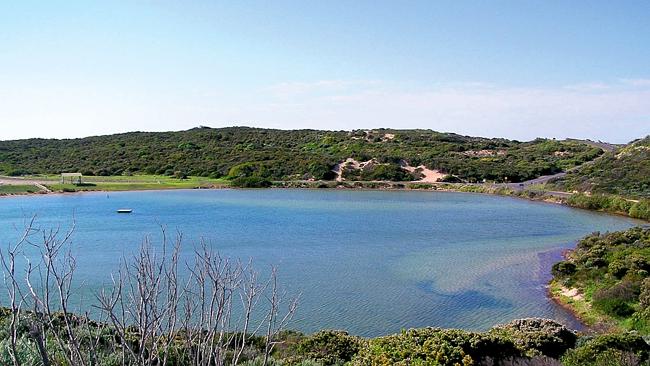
(637, 82)
(617, 111)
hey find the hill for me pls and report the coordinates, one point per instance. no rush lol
(624, 172)
(298, 154)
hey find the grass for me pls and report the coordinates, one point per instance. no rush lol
(133, 183)
(18, 189)
(141, 178)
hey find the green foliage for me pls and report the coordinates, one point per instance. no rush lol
(330, 347)
(251, 182)
(617, 299)
(612, 271)
(291, 155)
(520, 342)
(435, 347)
(249, 169)
(537, 337)
(27, 353)
(639, 209)
(390, 172)
(610, 349)
(562, 269)
(625, 172)
(17, 189)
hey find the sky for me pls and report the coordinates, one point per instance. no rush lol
(516, 69)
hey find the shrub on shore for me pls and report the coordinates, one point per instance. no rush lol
(639, 209)
(612, 272)
(611, 349)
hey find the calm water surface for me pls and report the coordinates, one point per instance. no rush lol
(370, 262)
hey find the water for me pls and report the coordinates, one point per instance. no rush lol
(370, 262)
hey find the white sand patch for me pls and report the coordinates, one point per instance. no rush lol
(429, 175)
(350, 163)
(571, 293)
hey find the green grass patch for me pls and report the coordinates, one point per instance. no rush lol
(18, 189)
(138, 182)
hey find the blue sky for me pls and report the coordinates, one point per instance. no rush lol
(517, 69)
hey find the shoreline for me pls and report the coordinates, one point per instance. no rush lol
(495, 189)
(573, 301)
(553, 292)
(557, 300)
(492, 190)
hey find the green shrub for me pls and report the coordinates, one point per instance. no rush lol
(615, 307)
(562, 269)
(435, 347)
(611, 357)
(537, 337)
(251, 182)
(640, 210)
(610, 270)
(618, 268)
(330, 347)
(27, 352)
(644, 294)
(389, 172)
(617, 299)
(608, 350)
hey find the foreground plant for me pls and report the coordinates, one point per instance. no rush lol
(152, 314)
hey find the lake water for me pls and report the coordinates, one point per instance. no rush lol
(370, 262)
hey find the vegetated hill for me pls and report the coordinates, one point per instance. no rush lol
(625, 172)
(297, 154)
(611, 271)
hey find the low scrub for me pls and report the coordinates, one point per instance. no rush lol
(612, 271)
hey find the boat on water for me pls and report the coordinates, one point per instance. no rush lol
(124, 210)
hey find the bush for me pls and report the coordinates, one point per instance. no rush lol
(27, 353)
(389, 172)
(644, 295)
(251, 182)
(432, 346)
(615, 307)
(612, 357)
(180, 174)
(330, 347)
(538, 336)
(618, 268)
(616, 299)
(608, 349)
(640, 210)
(563, 269)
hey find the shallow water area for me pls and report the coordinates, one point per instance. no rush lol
(370, 262)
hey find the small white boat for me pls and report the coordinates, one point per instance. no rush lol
(124, 210)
